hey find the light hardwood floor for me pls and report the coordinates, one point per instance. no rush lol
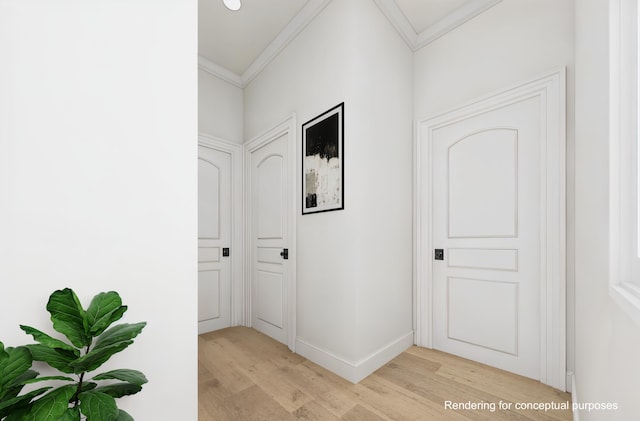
(244, 375)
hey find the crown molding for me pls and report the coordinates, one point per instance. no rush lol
(453, 20)
(399, 21)
(313, 8)
(288, 34)
(450, 22)
(219, 71)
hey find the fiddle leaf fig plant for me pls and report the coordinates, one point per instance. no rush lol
(92, 341)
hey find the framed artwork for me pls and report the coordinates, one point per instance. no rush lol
(323, 162)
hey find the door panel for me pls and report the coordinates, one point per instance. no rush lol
(486, 217)
(208, 198)
(482, 176)
(475, 303)
(269, 193)
(269, 291)
(208, 294)
(270, 197)
(483, 259)
(214, 233)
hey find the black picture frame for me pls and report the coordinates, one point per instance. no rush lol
(323, 162)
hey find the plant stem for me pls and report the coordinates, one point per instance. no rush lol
(77, 400)
(75, 404)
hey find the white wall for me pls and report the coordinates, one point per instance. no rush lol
(219, 108)
(354, 266)
(513, 41)
(98, 177)
(607, 341)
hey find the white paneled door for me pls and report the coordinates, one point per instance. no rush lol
(486, 188)
(269, 196)
(214, 239)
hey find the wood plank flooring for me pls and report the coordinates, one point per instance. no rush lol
(245, 375)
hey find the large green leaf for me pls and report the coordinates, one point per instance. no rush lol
(98, 406)
(13, 364)
(13, 389)
(118, 390)
(126, 375)
(123, 416)
(48, 341)
(97, 356)
(56, 358)
(53, 405)
(72, 414)
(110, 342)
(105, 308)
(10, 406)
(119, 333)
(48, 378)
(68, 317)
(18, 414)
(86, 386)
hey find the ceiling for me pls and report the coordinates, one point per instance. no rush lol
(424, 13)
(237, 45)
(234, 40)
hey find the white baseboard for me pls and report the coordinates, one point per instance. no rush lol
(207, 326)
(349, 370)
(574, 398)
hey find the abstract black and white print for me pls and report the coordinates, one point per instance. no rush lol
(323, 162)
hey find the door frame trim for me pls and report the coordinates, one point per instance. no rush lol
(551, 88)
(237, 226)
(286, 127)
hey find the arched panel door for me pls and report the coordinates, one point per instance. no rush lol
(214, 236)
(486, 222)
(270, 214)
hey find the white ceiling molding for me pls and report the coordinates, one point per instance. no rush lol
(399, 21)
(452, 21)
(288, 34)
(219, 71)
(389, 8)
(416, 41)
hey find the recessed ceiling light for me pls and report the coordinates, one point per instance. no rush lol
(232, 4)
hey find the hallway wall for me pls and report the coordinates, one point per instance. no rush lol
(98, 178)
(607, 340)
(220, 112)
(354, 266)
